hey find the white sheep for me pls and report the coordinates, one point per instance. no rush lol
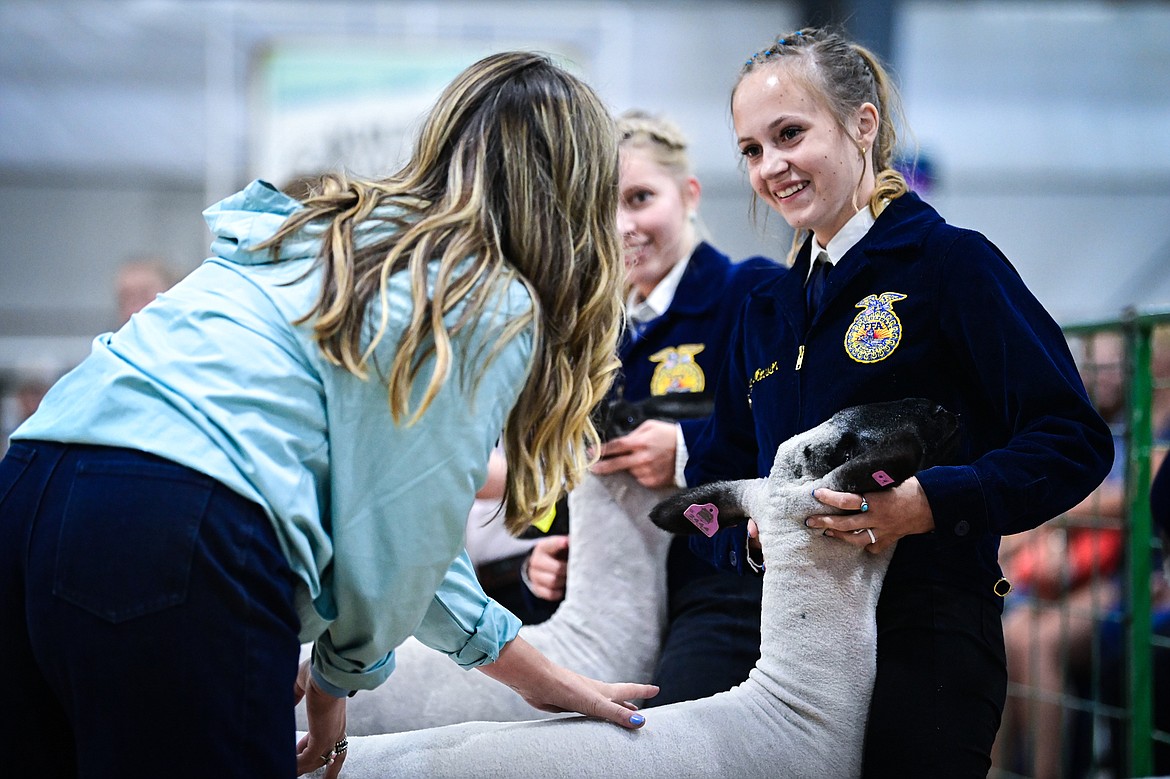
(802, 712)
(609, 626)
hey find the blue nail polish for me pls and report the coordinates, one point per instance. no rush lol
(637, 719)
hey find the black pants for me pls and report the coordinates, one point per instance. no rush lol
(713, 636)
(941, 684)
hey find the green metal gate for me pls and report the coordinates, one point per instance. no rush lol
(1083, 700)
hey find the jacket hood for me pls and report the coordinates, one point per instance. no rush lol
(243, 221)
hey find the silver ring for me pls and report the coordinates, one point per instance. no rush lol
(872, 537)
(341, 746)
(327, 758)
(864, 504)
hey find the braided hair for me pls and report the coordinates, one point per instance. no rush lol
(660, 136)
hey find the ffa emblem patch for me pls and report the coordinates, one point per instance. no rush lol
(677, 370)
(876, 331)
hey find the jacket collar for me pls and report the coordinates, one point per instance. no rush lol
(899, 232)
(701, 286)
(698, 292)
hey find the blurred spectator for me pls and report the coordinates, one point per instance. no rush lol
(302, 186)
(1160, 513)
(1070, 572)
(1064, 579)
(30, 381)
(138, 282)
(1114, 643)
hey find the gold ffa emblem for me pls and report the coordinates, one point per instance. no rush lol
(876, 331)
(677, 370)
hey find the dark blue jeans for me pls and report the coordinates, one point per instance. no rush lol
(147, 620)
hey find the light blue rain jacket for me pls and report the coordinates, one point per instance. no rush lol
(371, 514)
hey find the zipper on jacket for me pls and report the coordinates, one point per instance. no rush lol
(800, 357)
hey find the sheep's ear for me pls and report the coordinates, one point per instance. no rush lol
(877, 470)
(671, 514)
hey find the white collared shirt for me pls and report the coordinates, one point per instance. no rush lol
(660, 298)
(652, 307)
(845, 239)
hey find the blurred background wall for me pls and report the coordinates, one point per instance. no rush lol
(1043, 124)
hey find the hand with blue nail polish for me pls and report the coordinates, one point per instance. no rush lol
(549, 687)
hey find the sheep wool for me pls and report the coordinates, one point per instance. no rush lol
(802, 712)
(609, 626)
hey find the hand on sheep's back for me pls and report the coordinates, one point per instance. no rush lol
(549, 687)
(890, 514)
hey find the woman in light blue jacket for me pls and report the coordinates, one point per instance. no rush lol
(284, 448)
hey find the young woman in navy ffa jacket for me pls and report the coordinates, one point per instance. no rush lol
(910, 306)
(683, 298)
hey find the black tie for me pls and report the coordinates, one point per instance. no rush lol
(816, 283)
(637, 326)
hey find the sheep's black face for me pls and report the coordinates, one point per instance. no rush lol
(903, 437)
(859, 449)
(821, 459)
(911, 434)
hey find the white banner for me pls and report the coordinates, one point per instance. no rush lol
(356, 107)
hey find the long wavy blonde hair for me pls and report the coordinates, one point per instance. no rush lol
(843, 75)
(513, 175)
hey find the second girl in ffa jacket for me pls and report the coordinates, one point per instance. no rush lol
(681, 305)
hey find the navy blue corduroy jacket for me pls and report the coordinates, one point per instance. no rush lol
(918, 308)
(682, 351)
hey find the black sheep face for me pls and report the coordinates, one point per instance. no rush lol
(897, 438)
(859, 449)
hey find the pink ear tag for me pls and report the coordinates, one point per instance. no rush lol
(704, 516)
(882, 478)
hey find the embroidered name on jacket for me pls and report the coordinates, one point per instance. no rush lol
(677, 370)
(761, 373)
(876, 331)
